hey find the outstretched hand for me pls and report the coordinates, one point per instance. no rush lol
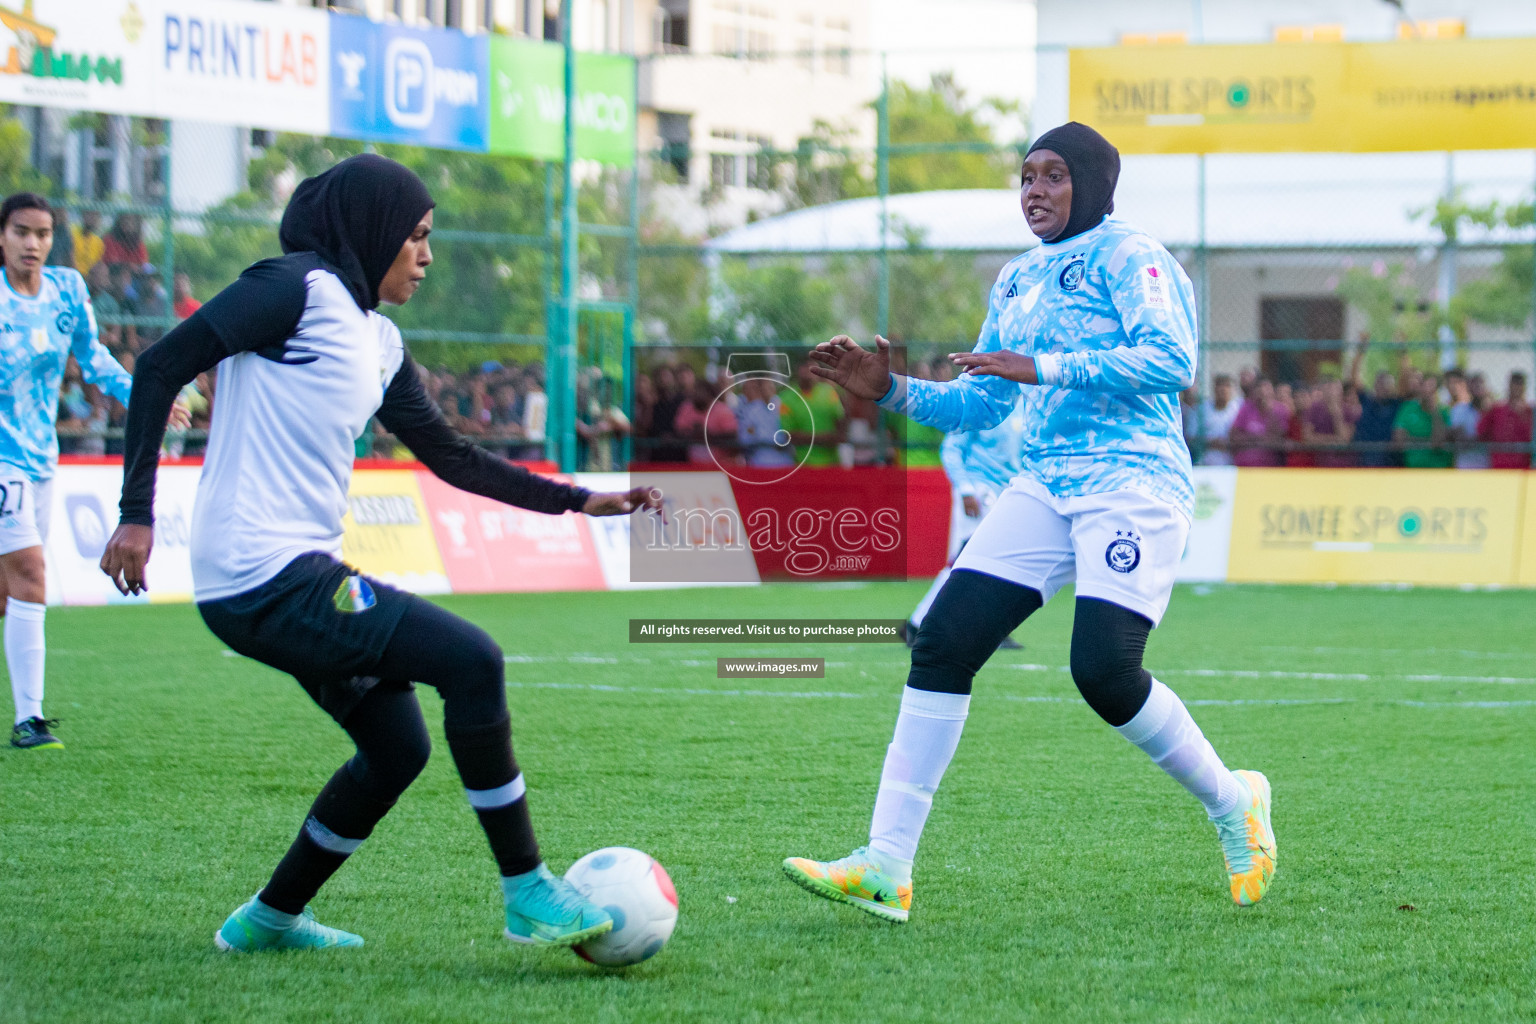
(126, 557)
(621, 503)
(1005, 364)
(858, 371)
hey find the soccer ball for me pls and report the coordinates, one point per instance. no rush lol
(637, 893)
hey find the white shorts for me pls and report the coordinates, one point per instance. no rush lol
(1120, 546)
(25, 505)
(961, 526)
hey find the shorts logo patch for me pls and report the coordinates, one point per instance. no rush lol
(1123, 553)
(1071, 276)
(354, 595)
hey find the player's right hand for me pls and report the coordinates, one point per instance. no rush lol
(859, 372)
(126, 556)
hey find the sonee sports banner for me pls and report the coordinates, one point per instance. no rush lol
(1310, 97)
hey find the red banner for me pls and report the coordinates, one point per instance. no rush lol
(488, 547)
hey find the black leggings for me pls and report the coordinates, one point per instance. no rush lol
(438, 648)
(974, 612)
(430, 646)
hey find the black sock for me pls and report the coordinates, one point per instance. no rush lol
(483, 756)
(342, 816)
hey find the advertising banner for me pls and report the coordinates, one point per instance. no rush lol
(388, 533)
(1526, 571)
(1444, 527)
(83, 518)
(224, 61)
(84, 55)
(488, 547)
(1311, 97)
(528, 103)
(1210, 531)
(235, 62)
(424, 87)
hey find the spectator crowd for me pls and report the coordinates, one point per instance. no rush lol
(1408, 418)
(132, 313)
(684, 412)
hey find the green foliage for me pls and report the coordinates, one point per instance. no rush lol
(16, 171)
(942, 113)
(827, 169)
(780, 301)
(828, 166)
(1398, 310)
(936, 296)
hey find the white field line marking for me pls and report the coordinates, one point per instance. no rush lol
(1200, 673)
(665, 691)
(690, 691)
(1456, 652)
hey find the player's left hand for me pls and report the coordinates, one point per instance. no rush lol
(1008, 365)
(621, 503)
(972, 506)
(126, 557)
(181, 417)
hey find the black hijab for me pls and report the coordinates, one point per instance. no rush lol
(355, 217)
(1095, 168)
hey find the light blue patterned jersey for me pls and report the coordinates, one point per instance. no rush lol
(1109, 317)
(981, 462)
(37, 336)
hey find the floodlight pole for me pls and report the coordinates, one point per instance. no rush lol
(562, 376)
(1203, 256)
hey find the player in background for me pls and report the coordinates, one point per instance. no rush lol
(305, 362)
(979, 464)
(45, 317)
(1096, 328)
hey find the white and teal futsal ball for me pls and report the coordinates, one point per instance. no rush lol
(637, 893)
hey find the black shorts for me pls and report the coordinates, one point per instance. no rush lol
(319, 620)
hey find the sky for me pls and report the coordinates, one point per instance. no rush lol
(989, 44)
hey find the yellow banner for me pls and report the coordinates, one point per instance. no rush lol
(388, 533)
(1429, 526)
(1527, 573)
(1310, 97)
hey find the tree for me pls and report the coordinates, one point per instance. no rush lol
(827, 167)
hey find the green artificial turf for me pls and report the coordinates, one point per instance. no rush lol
(1062, 876)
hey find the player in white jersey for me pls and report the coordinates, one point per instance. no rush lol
(305, 362)
(980, 464)
(1094, 330)
(45, 317)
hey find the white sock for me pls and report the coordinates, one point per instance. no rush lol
(1168, 735)
(921, 612)
(927, 733)
(24, 652)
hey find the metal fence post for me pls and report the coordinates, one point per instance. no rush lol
(562, 392)
(883, 173)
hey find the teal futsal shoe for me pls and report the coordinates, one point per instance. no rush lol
(247, 931)
(545, 910)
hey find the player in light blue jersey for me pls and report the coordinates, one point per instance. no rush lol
(45, 317)
(980, 464)
(1094, 330)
